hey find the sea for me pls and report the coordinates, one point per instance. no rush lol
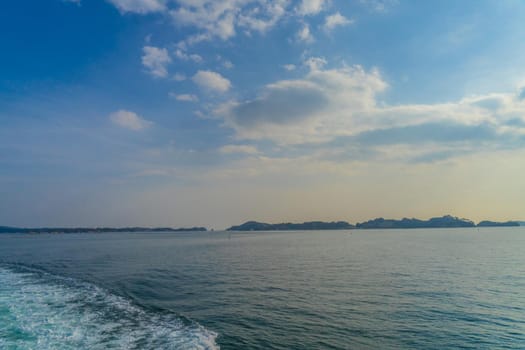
(358, 289)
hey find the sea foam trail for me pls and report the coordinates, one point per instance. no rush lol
(42, 311)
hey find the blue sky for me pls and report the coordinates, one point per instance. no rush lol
(199, 112)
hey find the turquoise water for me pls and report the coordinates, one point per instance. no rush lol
(400, 289)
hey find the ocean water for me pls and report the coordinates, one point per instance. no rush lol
(374, 289)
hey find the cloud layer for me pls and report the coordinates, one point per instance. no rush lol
(339, 107)
(322, 104)
(210, 19)
(340, 111)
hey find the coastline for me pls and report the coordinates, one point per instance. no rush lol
(446, 221)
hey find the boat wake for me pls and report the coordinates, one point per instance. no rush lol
(39, 310)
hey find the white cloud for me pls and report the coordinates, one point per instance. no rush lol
(179, 77)
(315, 63)
(139, 6)
(344, 102)
(310, 7)
(316, 107)
(242, 149)
(336, 20)
(180, 54)
(225, 63)
(304, 34)
(262, 21)
(225, 19)
(184, 97)
(209, 80)
(289, 67)
(379, 5)
(156, 61)
(200, 114)
(129, 120)
(215, 18)
(222, 19)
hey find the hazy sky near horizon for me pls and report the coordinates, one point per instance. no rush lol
(203, 112)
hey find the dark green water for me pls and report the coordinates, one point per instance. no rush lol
(413, 289)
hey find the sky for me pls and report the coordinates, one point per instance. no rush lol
(211, 113)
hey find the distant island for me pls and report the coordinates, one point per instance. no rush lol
(438, 222)
(447, 221)
(6, 229)
(311, 225)
(496, 224)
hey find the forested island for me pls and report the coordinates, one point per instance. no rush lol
(447, 221)
(311, 225)
(6, 229)
(438, 222)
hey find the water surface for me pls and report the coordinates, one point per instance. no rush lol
(405, 289)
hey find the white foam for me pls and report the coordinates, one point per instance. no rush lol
(42, 311)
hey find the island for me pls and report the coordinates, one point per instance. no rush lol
(311, 225)
(447, 221)
(487, 223)
(7, 229)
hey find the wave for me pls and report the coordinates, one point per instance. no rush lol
(39, 310)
